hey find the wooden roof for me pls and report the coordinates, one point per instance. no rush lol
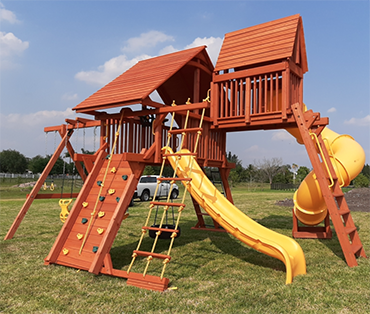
(268, 42)
(172, 75)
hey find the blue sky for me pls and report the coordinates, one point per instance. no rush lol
(54, 54)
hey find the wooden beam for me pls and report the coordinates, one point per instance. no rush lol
(250, 72)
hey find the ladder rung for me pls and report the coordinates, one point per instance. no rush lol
(189, 130)
(168, 204)
(344, 211)
(356, 248)
(180, 154)
(154, 255)
(338, 194)
(202, 214)
(161, 229)
(174, 179)
(350, 229)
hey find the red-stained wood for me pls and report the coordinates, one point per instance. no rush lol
(109, 235)
(137, 83)
(74, 213)
(334, 198)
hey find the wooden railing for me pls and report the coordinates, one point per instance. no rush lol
(243, 95)
(134, 137)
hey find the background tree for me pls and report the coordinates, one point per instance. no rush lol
(361, 181)
(284, 175)
(270, 167)
(366, 171)
(237, 174)
(302, 172)
(12, 161)
(38, 163)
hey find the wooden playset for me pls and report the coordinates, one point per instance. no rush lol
(257, 84)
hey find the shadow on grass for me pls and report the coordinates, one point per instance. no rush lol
(121, 255)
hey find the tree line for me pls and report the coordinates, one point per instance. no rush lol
(274, 171)
(266, 170)
(12, 161)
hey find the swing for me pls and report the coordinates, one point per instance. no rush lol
(164, 235)
(64, 203)
(45, 187)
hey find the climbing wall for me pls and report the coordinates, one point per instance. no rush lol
(88, 234)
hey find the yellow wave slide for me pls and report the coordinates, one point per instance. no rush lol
(234, 221)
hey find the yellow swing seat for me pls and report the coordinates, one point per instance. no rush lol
(64, 203)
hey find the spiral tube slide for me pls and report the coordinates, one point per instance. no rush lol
(347, 158)
(234, 221)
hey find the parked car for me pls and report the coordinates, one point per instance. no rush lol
(147, 185)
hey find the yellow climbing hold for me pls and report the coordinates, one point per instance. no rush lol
(80, 236)
(100, 230)
(65, 251)
(85, 204)
(113, 170)
(101, 214)
(111, 191)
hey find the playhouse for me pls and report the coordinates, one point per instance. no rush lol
(257, 84)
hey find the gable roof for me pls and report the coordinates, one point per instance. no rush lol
(138, 82)
(268, 42)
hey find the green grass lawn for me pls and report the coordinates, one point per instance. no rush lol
(213, 272)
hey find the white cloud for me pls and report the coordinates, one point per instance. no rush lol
(69, 96)
(282, 136)
(6, 15)
(254, 148)
(167, 50)
(145, 40)
(110, 70)
(332, 109)
(11, 45)
(359, 121)
(40, 118)
(213, 46)
(117, 65)
(25, 132)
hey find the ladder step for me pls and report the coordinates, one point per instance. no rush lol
(154, 255)
(160, 229)
(338, 194)
(349, 230)
(189, 130)
(344, 211)
(167, 204)
(356, 248)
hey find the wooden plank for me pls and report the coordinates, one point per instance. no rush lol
(250, 72)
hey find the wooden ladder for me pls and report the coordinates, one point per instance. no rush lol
(333, 195)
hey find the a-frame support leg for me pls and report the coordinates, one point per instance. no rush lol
(27, 204)
(334, 198)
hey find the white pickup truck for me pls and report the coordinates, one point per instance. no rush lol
(147, 185)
